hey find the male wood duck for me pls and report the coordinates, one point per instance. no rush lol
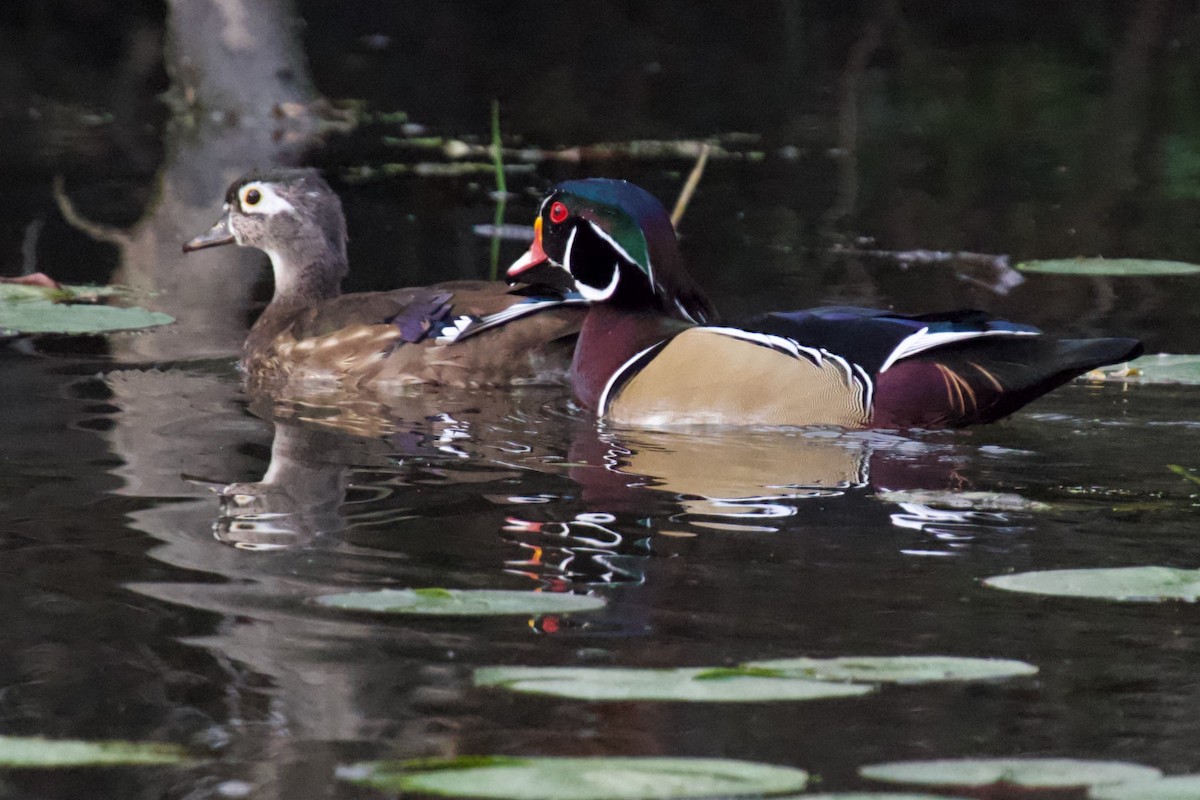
(854, 367)
(461, 333)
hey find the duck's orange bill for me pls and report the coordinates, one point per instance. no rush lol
(534, 256)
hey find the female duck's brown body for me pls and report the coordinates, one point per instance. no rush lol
(359, 340)
(462, 333)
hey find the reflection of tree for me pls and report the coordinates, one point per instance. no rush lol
(1122, 127)
(849, 99)
(241, 96)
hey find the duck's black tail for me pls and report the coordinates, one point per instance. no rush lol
(983, 380)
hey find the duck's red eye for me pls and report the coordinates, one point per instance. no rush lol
(558, 212)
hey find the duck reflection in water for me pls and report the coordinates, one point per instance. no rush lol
(624, 487)
(339, 465)
(581, 551)
(331, 468)
(754, 482)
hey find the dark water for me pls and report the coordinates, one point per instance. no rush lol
(141, 604)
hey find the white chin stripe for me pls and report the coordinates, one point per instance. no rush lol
(269, 202)
(589, 293)
(600, 295)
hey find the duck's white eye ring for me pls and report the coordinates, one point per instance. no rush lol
(261, 198)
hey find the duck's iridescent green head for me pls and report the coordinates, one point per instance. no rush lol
(617, 242)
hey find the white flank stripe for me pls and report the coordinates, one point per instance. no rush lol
(923, 340)
(783, 343)
(856, 376)
(868, 388)
(603, 404)
(841, 362)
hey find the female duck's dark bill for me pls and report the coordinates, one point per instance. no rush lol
(215, 236)
(532, 258)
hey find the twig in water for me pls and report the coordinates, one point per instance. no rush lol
(1003, 280)
(689, 187)
(97, 231)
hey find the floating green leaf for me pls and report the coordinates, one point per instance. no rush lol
(22, 292)
(1160, 368)
(1109, 266)
(462, 602)
(1176, 787)
(871, 796)
(687, 684)
(1125, 584)
(1046, 773)
(32, 751)
(618, 778)
(900, 669)
(978, 501)
(37, 309)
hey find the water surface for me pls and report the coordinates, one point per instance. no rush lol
(165, 534)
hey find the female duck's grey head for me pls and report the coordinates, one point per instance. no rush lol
(290, 214)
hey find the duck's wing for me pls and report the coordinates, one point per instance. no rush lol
(443, 313)
(430, 335)
(947, 369)
(412, 312)
(477, 311)
(875, 339)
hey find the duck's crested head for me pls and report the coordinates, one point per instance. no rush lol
(272, 210)
(290, 213)
(618, 244)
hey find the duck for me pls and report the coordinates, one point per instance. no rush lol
(636, 364)
(457, 333)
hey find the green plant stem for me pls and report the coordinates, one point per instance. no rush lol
(1184, 472)
(501, 192)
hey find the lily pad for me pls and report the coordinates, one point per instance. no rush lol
(900, 669)
(39, 309)
(687, 684)
(1176, 787)
(1137, 267)
(1042, 773)
(21, 292)
(618, 778)
(1124, 584)
(872, 796)
(462, 602)
(1161, 368)
(33, 751)
(976, 501)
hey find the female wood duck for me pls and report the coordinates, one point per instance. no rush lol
(854, 367)
(462, 333)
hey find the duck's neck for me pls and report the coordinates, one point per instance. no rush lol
(300, 283)
(610, 337)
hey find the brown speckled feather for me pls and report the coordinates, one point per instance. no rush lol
(351, 341)
(312, 337)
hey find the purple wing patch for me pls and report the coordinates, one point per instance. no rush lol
(422, 315)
